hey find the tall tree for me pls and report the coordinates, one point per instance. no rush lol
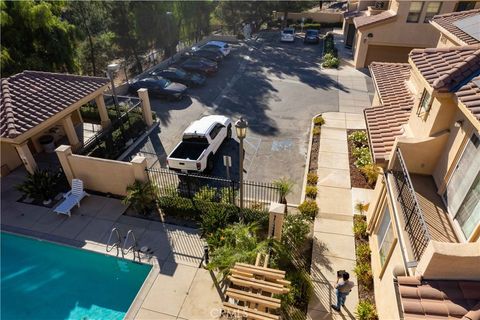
(34, 36)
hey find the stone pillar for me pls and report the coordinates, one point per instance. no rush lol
(26, 157)
(275, 220)
(146, 109)
(70, 131)
(102, 110)
(63, 153)
(139, 168)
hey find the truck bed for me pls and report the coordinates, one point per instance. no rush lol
(188, 150)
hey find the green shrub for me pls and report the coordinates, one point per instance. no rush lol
(314, 26)
(358, 138)
(295, 230)
(311, 192)
(205, 193)
(361, 207)
(141, 196)
(301, 289)
(41, 185)
(366, 311)
(363, 252)
(312, 178)
(328, 56)
(318, 121)
(362, 156)
(331, 63)
(360, 229)
(285, 186)
(216, 218)
(371, 172)
(309, 209)
(363, 270)
(316, 131)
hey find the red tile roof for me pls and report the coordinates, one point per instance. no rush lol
(364, 21)
(447, 68)
(469, 95)
(390, 81)
(439, 299)
(31, 97)
(385, 122)
(445, 22)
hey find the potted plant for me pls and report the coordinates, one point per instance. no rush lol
(141, 196)
(40, 186)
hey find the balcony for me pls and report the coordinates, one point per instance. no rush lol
(422, 213)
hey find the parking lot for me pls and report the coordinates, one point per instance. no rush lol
(277, 87)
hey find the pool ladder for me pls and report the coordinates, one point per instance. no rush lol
(115, 234)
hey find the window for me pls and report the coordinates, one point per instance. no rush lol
(468, 215)
(425, 102)
(465, 5)
(462, 192)
(415, 11)
(385, 236)
(433, 8)
(215, 131)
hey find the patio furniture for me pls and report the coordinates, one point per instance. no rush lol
(72, 198)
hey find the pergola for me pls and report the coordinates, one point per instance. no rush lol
(33, 102)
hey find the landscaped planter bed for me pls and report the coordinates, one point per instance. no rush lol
(357, 179)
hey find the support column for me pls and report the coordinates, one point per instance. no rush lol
(275, 220)
(26, 157)
(146, 109)
(102, 110)
(70, 131)
(139, 168)
(63, 152)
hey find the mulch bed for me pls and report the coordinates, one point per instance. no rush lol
(364, 291)
(313, 165)
(357, 179)
(53, 203)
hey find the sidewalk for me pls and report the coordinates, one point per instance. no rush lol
(334, 244)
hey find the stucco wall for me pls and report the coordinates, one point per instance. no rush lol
(398, 32)
(9, 156)
(437, 119)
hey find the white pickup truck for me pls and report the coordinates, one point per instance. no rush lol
(200, 142)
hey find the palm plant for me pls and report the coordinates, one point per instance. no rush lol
(239, 244)
(141, 196)
(40, 185)
(285, 187)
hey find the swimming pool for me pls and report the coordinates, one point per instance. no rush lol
(43, 280)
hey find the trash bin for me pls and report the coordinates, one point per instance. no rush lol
(47, 143)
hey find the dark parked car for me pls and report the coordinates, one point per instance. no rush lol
(181, 76)
(208, 54)
(160, 87)
(211, 47)
(311, 36)
(197, 64)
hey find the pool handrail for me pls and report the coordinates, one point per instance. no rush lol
(133, 247)
(116, 244)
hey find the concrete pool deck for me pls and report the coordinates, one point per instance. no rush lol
(176, 288)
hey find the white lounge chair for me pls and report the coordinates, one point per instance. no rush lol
(72, 198)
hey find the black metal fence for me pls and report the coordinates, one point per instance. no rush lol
(111, 142)
(415, 225)
(257, 195)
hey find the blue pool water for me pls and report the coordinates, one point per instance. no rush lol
(43, 280)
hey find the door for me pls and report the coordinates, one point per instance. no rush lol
(350, 35)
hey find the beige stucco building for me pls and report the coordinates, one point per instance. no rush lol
(424, 221)
(386, 31)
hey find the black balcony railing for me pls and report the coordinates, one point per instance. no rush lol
(415, 225)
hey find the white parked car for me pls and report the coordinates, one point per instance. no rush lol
(200, 141)
(222, 46)
(287, 35)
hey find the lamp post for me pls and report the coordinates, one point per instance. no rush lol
(241, 128)
(112, 69)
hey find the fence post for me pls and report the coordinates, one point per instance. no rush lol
(146, 109)
(275, 221)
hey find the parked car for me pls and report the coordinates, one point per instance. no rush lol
(211, 47)
(222, 46)
(287, 35)
(208, 54)
(181, 76)
(200, 141)
(159, 87)
(197, 64)
(311, 36)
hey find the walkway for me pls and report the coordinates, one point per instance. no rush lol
(334, 243)
(177, 288)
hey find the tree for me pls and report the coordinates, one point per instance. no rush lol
(96, 48)
(35, 36)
